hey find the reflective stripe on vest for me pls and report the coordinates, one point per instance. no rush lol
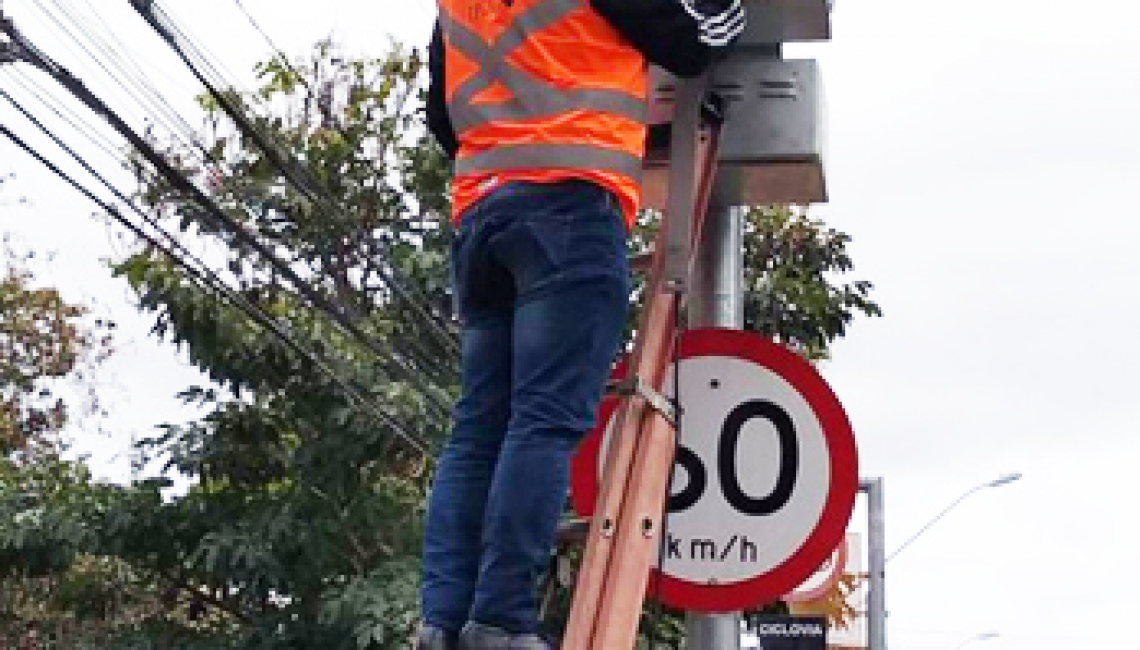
(585, 157)
(531, 98)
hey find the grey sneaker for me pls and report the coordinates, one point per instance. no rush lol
(430, 637)
(476, 636)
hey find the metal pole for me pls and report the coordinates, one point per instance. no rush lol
(718, 296)
(712, 631)
(717, 300)
(877, 561)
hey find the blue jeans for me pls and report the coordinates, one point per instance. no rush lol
(541, 281)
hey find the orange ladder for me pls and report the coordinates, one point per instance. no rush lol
(625, 530)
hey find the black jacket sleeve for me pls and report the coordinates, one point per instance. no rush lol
(681, 36)
(438, 121)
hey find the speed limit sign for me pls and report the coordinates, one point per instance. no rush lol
(766, 473)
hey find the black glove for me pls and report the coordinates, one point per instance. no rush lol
(720, 22)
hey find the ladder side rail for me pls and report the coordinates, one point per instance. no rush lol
(681, 209)
(639, 527)
(619, 456)
(652, 349)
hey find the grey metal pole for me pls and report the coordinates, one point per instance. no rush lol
(877, 561)
(712, 632)
(717, 300)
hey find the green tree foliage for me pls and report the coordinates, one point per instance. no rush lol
(49, 350)
(303, 527)
(62, 584)
(44, 340)
(792, 286)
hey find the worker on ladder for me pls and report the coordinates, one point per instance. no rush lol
(542, 106)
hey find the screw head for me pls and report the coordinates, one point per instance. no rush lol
(608, 527)
(647, 526)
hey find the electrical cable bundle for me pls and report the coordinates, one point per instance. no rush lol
(413, 365)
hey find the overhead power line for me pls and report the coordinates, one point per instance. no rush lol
(293, 171)
(68, 116)
(17, 48)
(28, 52)
(319, 196)
(418, 350)
(269, 41)
(97, 61)
(124, 71)
(128, 76)
(211, 281)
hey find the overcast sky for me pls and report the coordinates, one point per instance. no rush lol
(984, 157)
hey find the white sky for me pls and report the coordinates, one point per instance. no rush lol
(984, 156)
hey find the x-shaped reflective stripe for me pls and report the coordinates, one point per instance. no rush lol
(531, 97)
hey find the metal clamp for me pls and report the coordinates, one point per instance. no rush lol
(633, 385)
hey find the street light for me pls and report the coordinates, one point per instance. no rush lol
(998, 482)
(984, 636)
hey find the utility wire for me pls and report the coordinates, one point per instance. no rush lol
(298, 176)
(130, 69)
(284, 59)
(269, 41)
(426, 359)
(115, 151)
(74, 120)
(91, 61)
(216, 66)
(201, 272)
(279, 54)
(294, 172)
(132, 80)
(111, 66)
(28, 52)
(212, 281)
(24, 49)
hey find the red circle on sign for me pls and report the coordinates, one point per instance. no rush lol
(821, 541)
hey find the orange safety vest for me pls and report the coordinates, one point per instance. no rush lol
(541, 91)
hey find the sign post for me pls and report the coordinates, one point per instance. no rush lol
(877, 598)
(717, 300)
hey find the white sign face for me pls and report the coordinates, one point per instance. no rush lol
(756, 492)
(765, 475)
